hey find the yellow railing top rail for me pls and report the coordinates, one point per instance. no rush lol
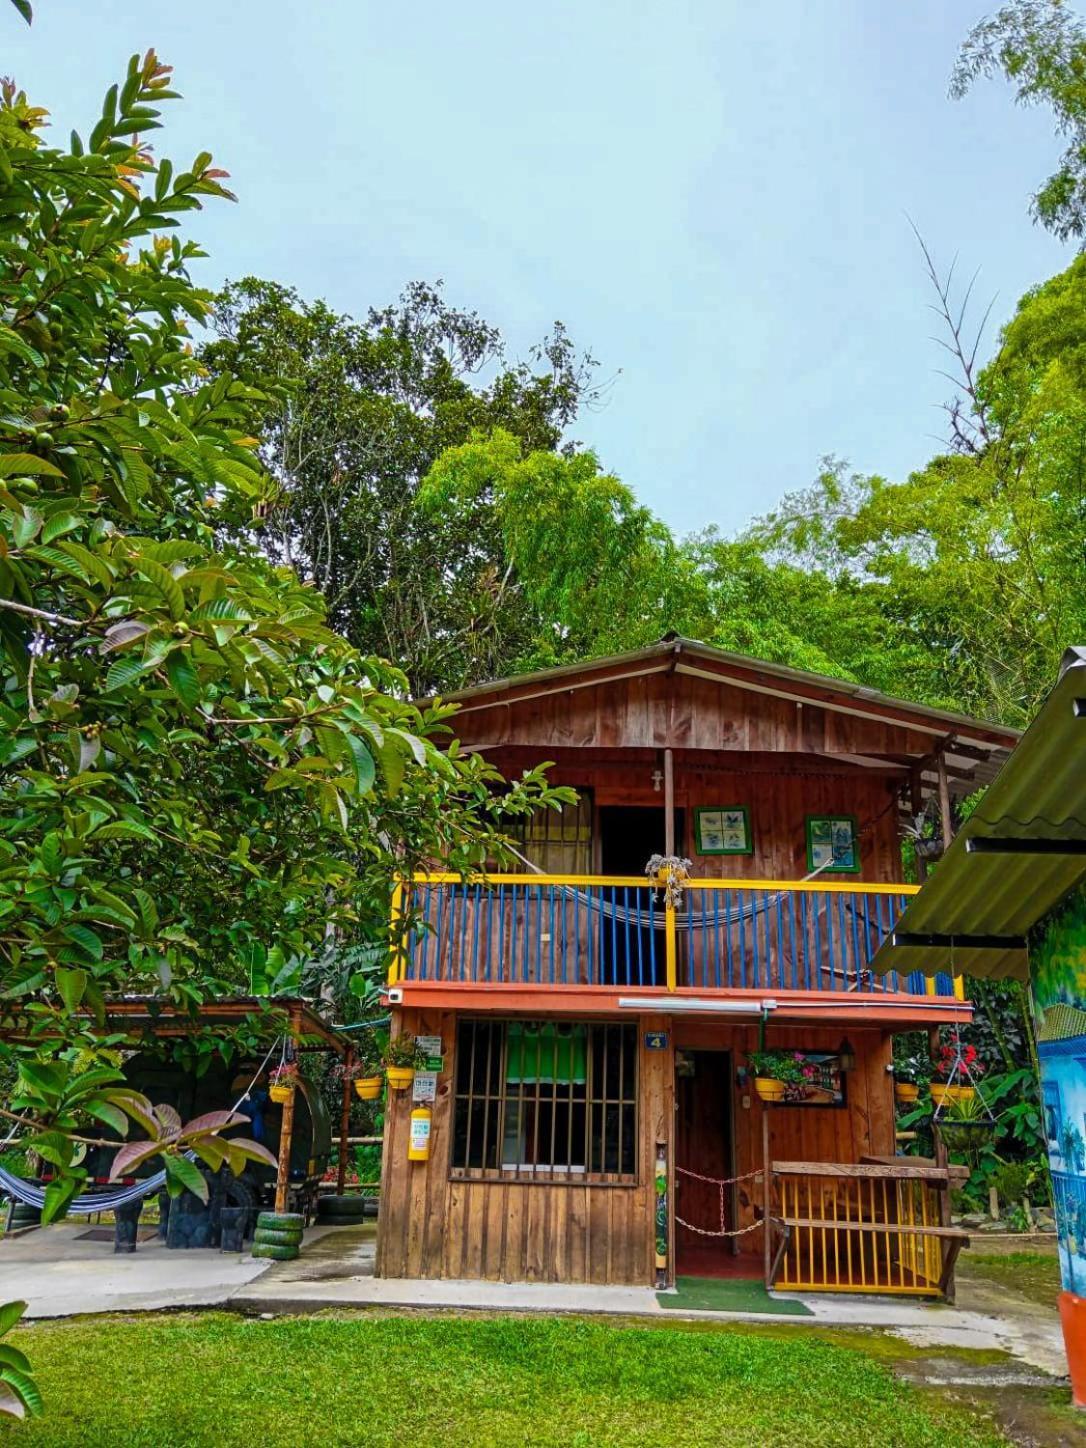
(862, 887)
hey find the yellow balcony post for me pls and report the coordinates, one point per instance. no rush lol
(929, 985)
(671, 950)
(959, 987)
(396, 969)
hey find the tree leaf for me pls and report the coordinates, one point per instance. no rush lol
(182, 1174)
(183, 677)
(70, 984)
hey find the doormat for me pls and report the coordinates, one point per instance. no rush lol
(728, 1294)
(105, 1234)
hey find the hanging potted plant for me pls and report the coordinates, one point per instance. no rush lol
(282, 1082)
(401, 1059)
(775, 1071)
(906, 1082)
(966, 1124)
(367, 1072)
(957, 1067)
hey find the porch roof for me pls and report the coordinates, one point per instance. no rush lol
(1020, 852)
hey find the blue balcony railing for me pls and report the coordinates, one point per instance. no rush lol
(581, 930)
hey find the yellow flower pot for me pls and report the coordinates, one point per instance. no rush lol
(768, 1089)
(280, 1094)
(942, 1092)
(399, 1077)
(367, 1088)
(905, 1092)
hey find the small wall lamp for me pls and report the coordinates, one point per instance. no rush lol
(846, 1056)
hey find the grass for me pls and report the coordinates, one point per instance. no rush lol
(1035, 1275)
(216, 1379)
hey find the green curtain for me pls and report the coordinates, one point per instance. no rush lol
(550, 1051)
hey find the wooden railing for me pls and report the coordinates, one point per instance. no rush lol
(863, 1228)
(580, 930)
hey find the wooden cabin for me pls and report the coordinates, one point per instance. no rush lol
(593, 1115)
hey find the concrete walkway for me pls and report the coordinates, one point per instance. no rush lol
(62, 1274)
(59, 1273)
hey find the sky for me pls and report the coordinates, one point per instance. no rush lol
(712, 195)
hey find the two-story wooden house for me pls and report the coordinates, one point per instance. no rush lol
(594, 1119)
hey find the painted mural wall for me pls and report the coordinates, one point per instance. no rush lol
(1058, 962)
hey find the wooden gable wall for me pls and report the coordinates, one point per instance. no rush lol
(679, 711)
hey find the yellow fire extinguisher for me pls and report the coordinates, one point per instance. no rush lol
(418, 1148)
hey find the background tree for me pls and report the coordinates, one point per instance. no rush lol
(1040, 48)
(192, 763)
(355, 414)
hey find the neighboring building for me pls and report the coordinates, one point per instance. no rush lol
(593, 1094)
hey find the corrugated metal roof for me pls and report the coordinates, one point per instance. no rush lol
(974, 913)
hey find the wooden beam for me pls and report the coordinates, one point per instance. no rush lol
(1007, 845)
(345, 1120)
(944, 802)
(669, 802)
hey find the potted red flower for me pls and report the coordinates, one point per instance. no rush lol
(958, 1067)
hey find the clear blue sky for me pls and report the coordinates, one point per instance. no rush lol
(711, 194)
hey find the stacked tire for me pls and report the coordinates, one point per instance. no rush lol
(19, 1215)
(341, 1211)
(278, 1235)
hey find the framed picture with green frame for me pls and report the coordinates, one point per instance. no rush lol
(723, 830)
(833, 844)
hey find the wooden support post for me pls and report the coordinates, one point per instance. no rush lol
(766, 1197)
(396, 971)
(345, 1119)
(944, 801)
(286, 1134)
(669, 802)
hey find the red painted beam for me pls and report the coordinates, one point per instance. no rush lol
(888, 1008)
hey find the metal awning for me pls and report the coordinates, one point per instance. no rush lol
(1020, 852)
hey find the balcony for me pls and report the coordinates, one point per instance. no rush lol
(584, 933)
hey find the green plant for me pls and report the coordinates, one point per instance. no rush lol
(19, 1395)
(403, 1052)
(787, 1066)
(285, 1074)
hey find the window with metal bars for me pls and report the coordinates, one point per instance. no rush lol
(545, 1101)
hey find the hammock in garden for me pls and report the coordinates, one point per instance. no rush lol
(110, 1199)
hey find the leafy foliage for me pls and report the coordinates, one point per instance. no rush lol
(192, 763)
(1040, 48)
(354, 413)
(19, 1394)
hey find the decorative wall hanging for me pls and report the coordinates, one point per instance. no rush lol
(723, 830)
(832, 844)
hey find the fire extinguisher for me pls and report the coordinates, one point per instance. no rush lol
(418, 1148)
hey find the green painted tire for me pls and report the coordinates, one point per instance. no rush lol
(281, 1221)
(334, 1207)
(344, 1222)
(278, 1252)
(269, 1237)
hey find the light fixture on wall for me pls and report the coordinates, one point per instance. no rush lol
(846, 1056)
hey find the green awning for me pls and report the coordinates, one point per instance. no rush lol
(1017, 856)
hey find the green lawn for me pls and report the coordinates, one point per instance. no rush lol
(215, 1379)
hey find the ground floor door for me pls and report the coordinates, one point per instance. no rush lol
(704, 1156)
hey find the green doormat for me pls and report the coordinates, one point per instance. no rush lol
(728, 1294)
